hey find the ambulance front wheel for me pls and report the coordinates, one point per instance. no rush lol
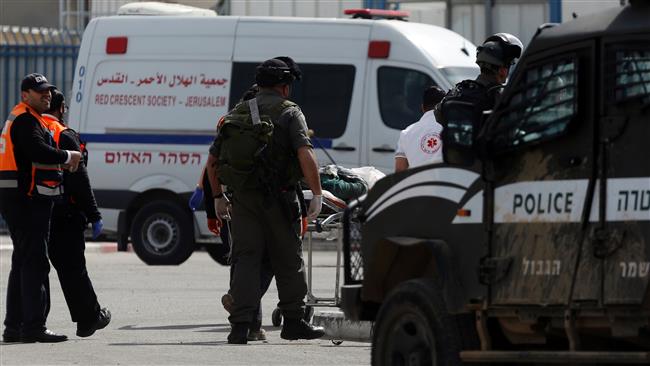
(161, 233)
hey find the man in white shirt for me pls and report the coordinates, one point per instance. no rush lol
(420, 143)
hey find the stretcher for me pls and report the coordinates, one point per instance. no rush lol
(330, 220)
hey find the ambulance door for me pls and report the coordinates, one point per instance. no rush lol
(624, 220)
(543, 136)
(394, 101)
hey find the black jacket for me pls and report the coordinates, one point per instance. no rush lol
(78, 192)
(32, 143)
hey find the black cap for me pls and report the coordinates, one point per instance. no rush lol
(36, 82)
(273, 72)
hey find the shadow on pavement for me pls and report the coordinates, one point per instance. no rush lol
(173, 327)
(216, 343)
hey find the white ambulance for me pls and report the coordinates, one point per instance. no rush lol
(148, 91)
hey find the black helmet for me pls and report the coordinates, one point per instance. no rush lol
(500, 49)
(273, 72)
(293, 66)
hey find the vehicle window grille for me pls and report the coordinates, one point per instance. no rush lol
(352, 253)
(632, 75)
(542, 105)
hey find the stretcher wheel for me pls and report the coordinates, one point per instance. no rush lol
(276, 317)
(336, 342)
(309, 313)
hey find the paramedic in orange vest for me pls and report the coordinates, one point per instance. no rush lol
(70, 217)
(30, 180)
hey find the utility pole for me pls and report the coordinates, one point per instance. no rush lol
(488, 17)
(448, 14)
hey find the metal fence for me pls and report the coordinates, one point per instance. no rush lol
(24, 50)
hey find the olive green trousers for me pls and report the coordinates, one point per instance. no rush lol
(261, 222)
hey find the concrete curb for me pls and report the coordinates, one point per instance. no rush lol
(339, 328)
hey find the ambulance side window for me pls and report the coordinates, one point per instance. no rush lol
(400, 95)
(631, 79)
(324, 94)
(541, 107)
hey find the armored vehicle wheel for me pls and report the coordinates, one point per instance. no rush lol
(413, 327)
(276, 317)
(162, 234)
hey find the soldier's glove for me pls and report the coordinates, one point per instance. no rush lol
(222, 207)
(214, 225)
(97, 228)
(314, 207)
(196, 198)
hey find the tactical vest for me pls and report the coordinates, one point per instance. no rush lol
(463, 108)
(249, 156)
(46, 178)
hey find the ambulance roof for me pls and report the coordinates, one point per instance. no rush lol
(158, 8)
(445, 47)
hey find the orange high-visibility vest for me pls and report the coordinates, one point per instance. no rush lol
(55, 127)
(46, 178)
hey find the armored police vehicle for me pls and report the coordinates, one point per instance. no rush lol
(531, 243)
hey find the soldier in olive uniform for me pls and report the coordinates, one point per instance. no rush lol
(265, 210)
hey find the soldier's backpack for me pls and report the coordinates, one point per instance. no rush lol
(461, 110)
(248, 157)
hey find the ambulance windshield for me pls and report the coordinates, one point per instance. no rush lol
(457, 74)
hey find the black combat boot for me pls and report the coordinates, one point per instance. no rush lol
(44, 336)
(11, 335)
(299, 329)
(86, 329)
(255, 332)
(238, 333)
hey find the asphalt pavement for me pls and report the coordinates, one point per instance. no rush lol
(170, 315)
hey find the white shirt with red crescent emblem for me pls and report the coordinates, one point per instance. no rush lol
(420, 143)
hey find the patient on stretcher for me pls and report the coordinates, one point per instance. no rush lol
(342, 183)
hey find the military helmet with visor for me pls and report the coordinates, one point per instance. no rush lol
(273, 72)
(500, 49)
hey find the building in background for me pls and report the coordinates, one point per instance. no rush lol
(467, 17)
(21, 12)
(32, 28)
